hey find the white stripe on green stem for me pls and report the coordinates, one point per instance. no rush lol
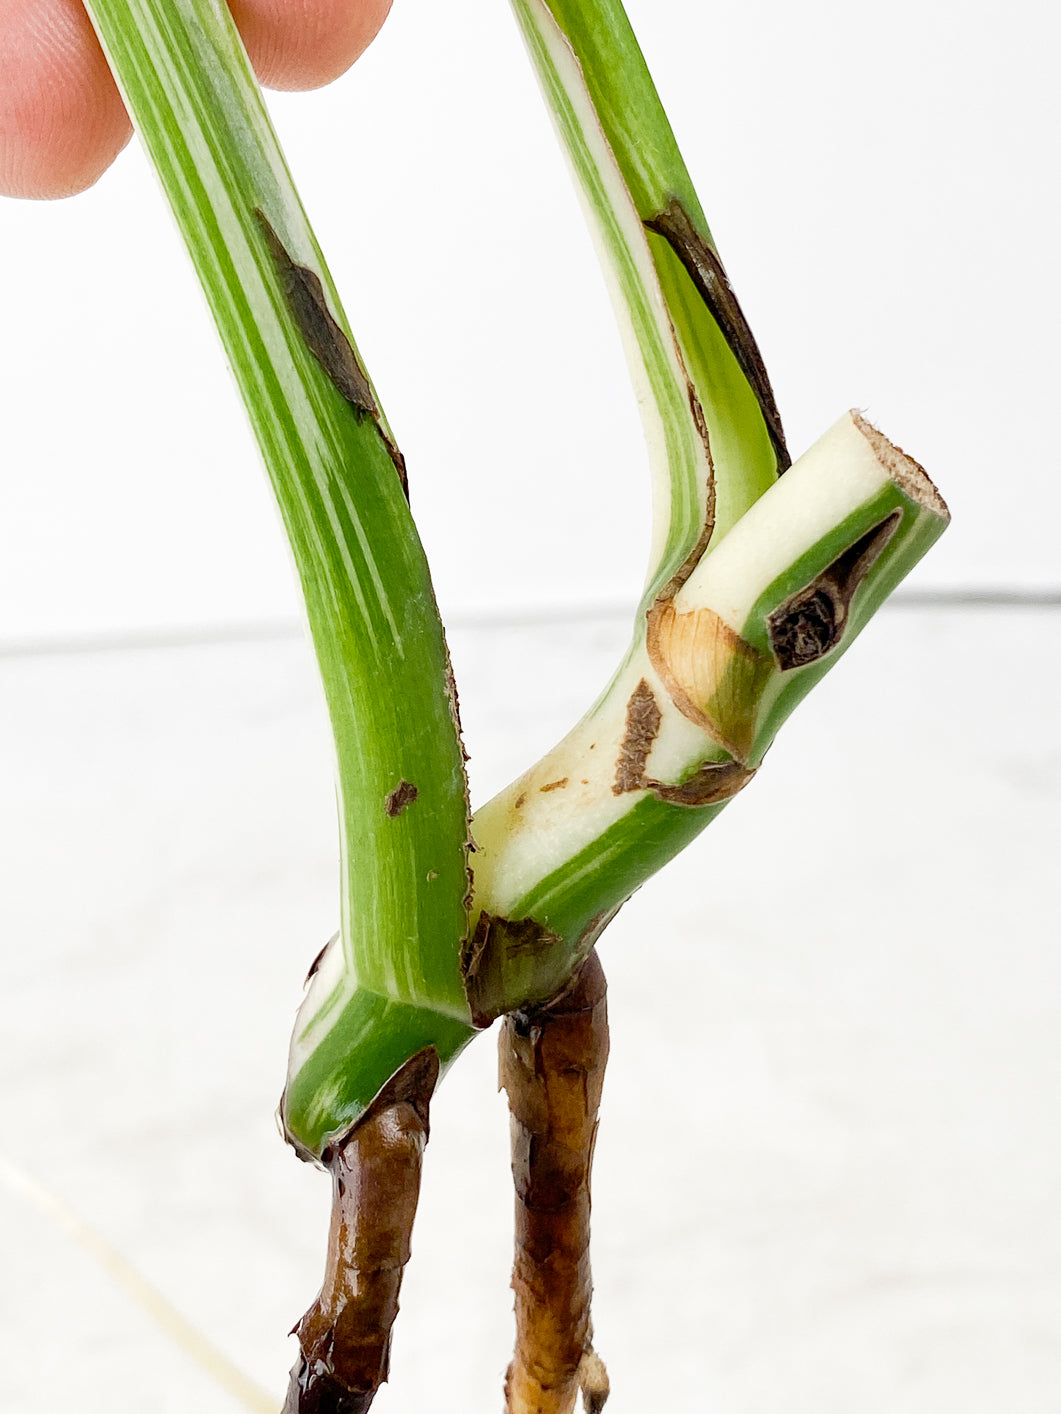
(735, 627)
(629, 172)
(331, 459)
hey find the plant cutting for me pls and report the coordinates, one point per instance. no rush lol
(762, 573)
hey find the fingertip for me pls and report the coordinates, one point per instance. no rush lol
(303, 44)
(62, 120)
(63, 164)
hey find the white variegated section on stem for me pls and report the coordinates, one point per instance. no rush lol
(329, 987)
(679, 457)
(839, 473)
(566, 801)
(536, 825)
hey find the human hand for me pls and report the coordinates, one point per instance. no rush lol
(62, 122)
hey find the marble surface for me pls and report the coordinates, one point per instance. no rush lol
(829, 1166)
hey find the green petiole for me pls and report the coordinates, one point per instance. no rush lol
(758, 581)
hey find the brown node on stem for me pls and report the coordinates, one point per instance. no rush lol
(710, 784)
(808, 625)
(492, 943)
(552, 1061)
(713, 675)
(345, 1336)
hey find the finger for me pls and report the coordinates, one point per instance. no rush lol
(62, 122)
(306, 43)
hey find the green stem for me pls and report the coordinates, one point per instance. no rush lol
(336, 473)
(756, 585)
(630, 173)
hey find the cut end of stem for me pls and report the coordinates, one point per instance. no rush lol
(910, 476)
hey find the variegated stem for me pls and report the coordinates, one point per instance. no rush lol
(714, 436)
(394, 979)
(652, 763)
(706, 681)
(718, 663)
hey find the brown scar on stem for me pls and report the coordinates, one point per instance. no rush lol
(554, 785)
(521, 800)
(325, 338)
(455, 712)
(707, 528)
(323, 334)
(400, 797)
(643, 719)
(812, 622)
(696, 554)
(398, 458)
(315, 964)
(712, 784)
(492, 943)
(708, 275)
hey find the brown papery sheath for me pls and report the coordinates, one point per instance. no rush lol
(552, 1063)
(345, 1335)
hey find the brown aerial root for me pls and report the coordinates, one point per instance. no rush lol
(552, 1063)
(345, 1335)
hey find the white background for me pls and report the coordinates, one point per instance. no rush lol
(829, 1162)
(880, 181)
